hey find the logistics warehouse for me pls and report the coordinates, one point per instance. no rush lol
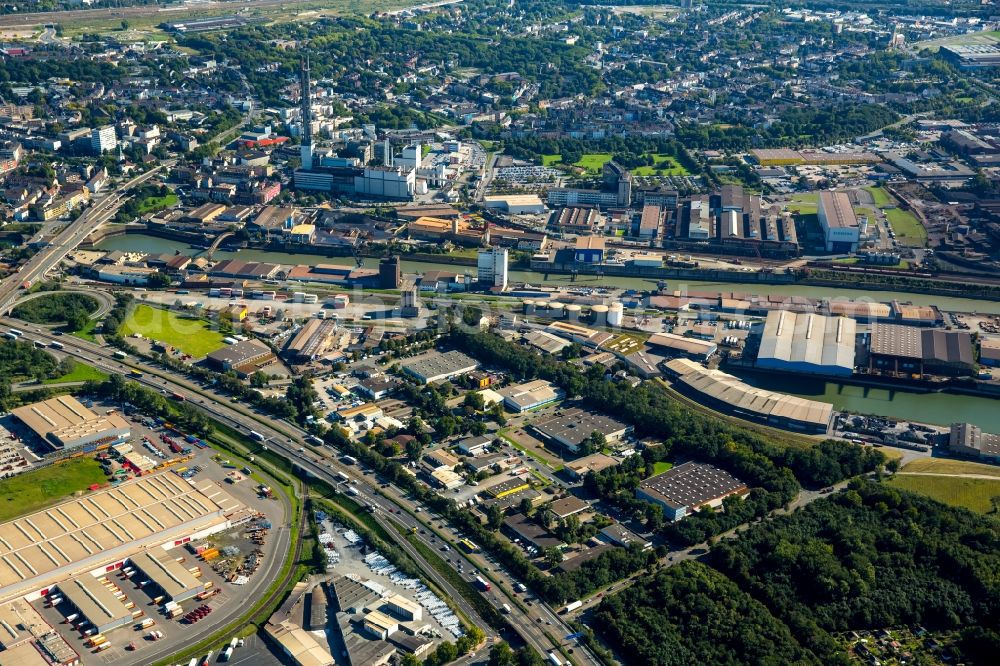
(96, 533)
(64, 423)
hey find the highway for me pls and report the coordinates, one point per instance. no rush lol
(539, 627)
(68, 239)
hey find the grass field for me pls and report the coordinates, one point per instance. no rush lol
(948, 466)
(551, 160)
(806, 203)
(157, 203)
(973, 494)
(661, 467)
(189, 334)
(31, 491)
(81, 373)
(593, 162)
(666, 164)
(881, 197)
(87, 332)
(909, 231)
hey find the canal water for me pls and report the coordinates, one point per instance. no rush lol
(936, 408)
(152, 244)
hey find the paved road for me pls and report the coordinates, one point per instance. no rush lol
(49, 257)
(282, 438)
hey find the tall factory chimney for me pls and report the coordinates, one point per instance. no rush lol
(307, 148)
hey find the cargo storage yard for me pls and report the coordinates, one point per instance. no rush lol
(136, 569)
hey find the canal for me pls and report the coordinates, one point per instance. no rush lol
(152, 244)
(936, 408)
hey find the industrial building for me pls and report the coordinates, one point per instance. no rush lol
(92, 600)
(312, 340)
(515, 204)
(907, 350)
(404, 608)
(678, 345)
(687, 488)
(989, 351)
(970, 441)
(491, 266)
(840, 224)
(167, 575)
(531, 395)
(729, 394)
(439, 366)
(807, 343)
(572, 427)
(244, 357)
(110, 525)
(64, 423)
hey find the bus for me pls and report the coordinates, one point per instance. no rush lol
(16, 333)
(350, 460)
(135, 373)
(39, 344)
(343, 477)
(313, 439)
(120, 355)
(256, 435)
(177, 396)
(468, 546)
(55, 345)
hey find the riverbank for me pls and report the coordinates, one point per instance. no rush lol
(135, 241)
(940, 408)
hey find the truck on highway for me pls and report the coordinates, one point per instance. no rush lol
(256, 435)
(16, 333)
(350, 460)
(343, 478)
(55, 345)
(506, 609)
(520, 587)
(554, 659)
(483, 585)
(177, 396)
(572, 607)
(120, 355)
(353, 491)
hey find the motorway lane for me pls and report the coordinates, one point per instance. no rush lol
(289, 441)
(70, 237)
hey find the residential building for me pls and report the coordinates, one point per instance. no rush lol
(103, 139)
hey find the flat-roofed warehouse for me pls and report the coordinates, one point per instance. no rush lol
(840, 224)
(530, 395)
(95, 602)
(312, 341)
(808, 343)
(107, 526)
(244, 357)
(906, 350)
(689, 487)
(168, 575)
(573, 426)
(438, 366)
(63, 423)
(729, 394)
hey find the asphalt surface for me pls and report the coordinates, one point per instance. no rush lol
(289, 441)
(68, 240)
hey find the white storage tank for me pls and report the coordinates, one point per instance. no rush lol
(616, 314)
(599, 315)
(557, 310)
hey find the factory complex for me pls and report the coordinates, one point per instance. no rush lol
(63, 423)
(138, 521)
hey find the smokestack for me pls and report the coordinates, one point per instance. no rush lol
(306, 150)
